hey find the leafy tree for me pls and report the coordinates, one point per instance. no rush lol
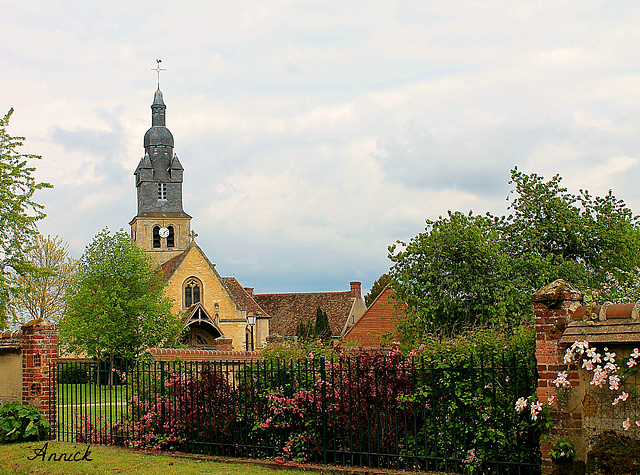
(322, 328)
(116, 306)
(41, 294)
(552, 233)
(18, 213)
(377, 287)
(467, 269)
(455, 274)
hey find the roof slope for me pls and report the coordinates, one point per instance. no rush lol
(243, 297)
(610, 324)
(288, 310)
(377, 321)
(169, 267)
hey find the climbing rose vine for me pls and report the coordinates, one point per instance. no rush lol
(605, 372)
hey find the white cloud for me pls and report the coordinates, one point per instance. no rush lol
(314, 134)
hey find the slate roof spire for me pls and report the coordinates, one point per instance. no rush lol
(159, 174)
(158, 135)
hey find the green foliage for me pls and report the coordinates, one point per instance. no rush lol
(377, 287)
(561, 449)
(580, 238)
(20, 422)
(322, 329)
(18, 214)
(40, 295)
(454, 275)
(305, 330)
(444, 350)
(116, 303)
(470, 269)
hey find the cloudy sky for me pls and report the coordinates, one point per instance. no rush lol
(316, 133)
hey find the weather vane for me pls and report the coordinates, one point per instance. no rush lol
(158, 69)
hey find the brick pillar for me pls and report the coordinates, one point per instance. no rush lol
(356, 291)
(223, 344)
(553, 306)
(39, 357)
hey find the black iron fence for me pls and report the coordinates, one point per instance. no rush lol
(365, 411)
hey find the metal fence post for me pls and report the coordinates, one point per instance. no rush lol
(162, 403)
(323, 393)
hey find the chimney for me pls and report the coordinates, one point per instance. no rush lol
(355, 290)
(249, 290)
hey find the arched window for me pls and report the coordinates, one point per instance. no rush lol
(191, 292)
(156, 236)
(170, 238)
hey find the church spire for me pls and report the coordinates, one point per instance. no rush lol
(161, 226)
(158, 110)
(159, 174)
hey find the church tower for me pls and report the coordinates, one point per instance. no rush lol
(161, 227)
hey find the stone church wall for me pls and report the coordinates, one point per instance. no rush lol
(231, 321)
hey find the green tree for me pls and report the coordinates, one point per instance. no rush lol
(19, 213)
(455, 274)
(322, 328)
(116, 307)
(467, 269)
(305, 330)
(377, 287)
(552, 233)
(41, 294)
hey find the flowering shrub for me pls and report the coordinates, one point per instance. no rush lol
(359, 407)
(606, 372)
(171, 411)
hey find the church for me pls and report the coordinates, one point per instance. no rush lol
(214, 308)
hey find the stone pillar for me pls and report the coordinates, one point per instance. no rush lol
(553, 306)
(39, 357)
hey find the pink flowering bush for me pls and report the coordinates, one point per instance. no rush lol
(352, 406)
(177, 410)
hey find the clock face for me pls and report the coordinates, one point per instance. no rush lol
(164, 232)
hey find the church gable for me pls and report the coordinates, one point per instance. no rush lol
(191, 278)
(202, 329)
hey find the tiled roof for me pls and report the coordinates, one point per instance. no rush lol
(169, 267)
(288, 310)
(243, 297)
(377, 321)
(619, 323)
(10, 340)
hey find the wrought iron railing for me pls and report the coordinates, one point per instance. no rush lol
(366, 411)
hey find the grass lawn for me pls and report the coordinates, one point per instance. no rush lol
(106, 460)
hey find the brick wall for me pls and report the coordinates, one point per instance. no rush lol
(191, 354)
(39, 356)
(553, 306)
